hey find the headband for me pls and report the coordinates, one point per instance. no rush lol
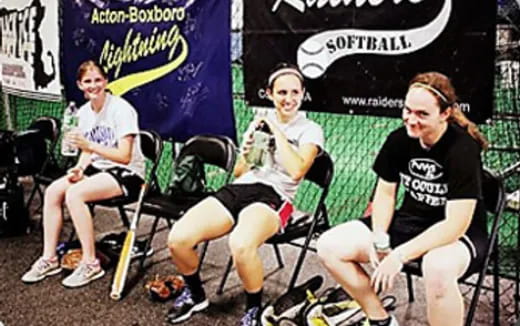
(284, 71)
(431, 89)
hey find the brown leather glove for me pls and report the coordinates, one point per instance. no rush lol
(164, 288)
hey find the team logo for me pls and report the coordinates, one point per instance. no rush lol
(425, 168)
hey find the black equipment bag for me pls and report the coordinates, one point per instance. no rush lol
(31, 152)
(14, 216)
(6, 149)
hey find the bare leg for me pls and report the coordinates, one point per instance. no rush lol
(341, 251)
(97, 187)
(442, 267)
(256, 224)
(53, 215)
(205, 221)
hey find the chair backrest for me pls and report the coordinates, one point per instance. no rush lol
(321, 171)
(493, 191)
(49, 127)
(151, 147)
(211, 149)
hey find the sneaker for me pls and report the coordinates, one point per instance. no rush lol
(250, 318)
(41, 269)
(366, 322)
(185, 305)
(84, 274)
(138, 249)
(291, 306)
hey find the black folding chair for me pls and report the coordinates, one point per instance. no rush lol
(213, 150)
(49, 128)
(494, 200)
(151, 147)
(306, 226)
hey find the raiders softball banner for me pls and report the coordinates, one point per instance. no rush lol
(29, 48)
(358, 55)
(169, 58)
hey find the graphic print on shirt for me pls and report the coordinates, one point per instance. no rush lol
(424, 181)
(103, 135)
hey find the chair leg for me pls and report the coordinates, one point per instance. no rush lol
(278, 256)
(220, 289)
(203, 254)
(496, 287)
(31, 196)
(124, 216)
(409, 282)
(148, 243)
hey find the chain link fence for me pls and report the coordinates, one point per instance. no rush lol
(353, 141)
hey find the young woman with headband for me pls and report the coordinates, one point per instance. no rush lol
(441, 222)
(256, 205)
(110, 164)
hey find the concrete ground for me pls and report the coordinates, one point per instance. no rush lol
(49, 303)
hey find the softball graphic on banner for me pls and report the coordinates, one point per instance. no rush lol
(319, 51)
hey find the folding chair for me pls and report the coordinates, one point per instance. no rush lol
(306, 226)
(213, 150)
(49, 128)
(494, 200)
(151, 147)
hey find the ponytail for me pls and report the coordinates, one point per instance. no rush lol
(459, 118)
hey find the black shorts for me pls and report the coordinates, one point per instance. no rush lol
(236, 197)
(128, 180)
(400, 232)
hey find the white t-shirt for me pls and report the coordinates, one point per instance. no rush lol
(299, 131)
(116, 119)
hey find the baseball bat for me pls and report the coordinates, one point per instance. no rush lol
(118, 283)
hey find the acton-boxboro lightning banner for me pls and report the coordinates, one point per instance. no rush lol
(29, 49)
(358, 56)
(169, 58)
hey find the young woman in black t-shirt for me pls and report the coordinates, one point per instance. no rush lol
(435, 156)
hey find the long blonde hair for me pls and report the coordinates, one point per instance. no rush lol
(442, 89)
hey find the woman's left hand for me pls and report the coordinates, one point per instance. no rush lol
(274, 129)
(77, 139)
(384, 275)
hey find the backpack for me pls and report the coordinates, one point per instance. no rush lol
(31, 152)
(14, 215)
(188, 176)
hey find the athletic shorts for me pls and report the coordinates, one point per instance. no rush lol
(128, 180)
(400, 232)
(236, 197)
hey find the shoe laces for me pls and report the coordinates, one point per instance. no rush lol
(250, 317)
(184, 298)
(86, 268)
(42, 264)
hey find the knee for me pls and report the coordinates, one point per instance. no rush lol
(53, 192)
(241, 248)
(178, 240)
(439, 275)
(330, 248)
(73, 196)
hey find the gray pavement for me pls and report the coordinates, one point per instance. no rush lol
(49, 303)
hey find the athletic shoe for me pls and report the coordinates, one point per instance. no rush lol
(290, 306)
(84, 274)
(40, 269)
(366, 322)
(186, 305)
(138, 249)
(250, 318)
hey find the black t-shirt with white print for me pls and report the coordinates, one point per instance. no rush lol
(450, 169)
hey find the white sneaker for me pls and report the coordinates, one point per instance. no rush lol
(40, 269)
(393, 322)
(84, 274)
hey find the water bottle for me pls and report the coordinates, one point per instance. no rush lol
(70, 123)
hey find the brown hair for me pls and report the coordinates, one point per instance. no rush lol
(89, 65)
(442, 89)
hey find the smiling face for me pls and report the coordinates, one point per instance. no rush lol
(287, 95)
(422, 115)
(93, 84)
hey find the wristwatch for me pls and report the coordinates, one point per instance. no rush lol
(381, 241)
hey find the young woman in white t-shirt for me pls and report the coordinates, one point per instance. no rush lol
(256, 205)
(110, 165)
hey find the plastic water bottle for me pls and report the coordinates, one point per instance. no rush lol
(70, 123)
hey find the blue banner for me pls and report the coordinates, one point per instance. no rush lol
(169, 58)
